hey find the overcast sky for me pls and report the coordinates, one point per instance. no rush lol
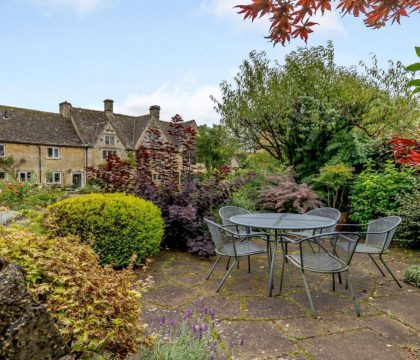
(138, 53)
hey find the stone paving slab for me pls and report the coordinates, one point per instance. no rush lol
(282, 327)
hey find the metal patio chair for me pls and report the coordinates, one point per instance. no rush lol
(325, 260)
(378, 237)
(228, 244)
(243, 232)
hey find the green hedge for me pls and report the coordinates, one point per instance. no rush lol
(118, 226)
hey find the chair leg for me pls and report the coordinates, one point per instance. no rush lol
(249, 264)
(333, 281)
(227, 264)
(273, 260)
(339, 278)
(356, 305)
(213, 267)
(383, 274)
(389, 270)
(282, 275)
(237, 261)
(226, 275)
(308, 292)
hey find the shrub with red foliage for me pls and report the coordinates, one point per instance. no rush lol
(406, 151)
(184, 197)
(283, 194)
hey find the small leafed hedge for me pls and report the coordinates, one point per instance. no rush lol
(119, 227)
(412, 275)
(97, 308)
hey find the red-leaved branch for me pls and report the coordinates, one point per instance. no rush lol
(406, 151)
(291, 19)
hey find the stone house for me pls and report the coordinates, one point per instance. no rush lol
(55, 148)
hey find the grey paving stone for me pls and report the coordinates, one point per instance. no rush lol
(276, 307)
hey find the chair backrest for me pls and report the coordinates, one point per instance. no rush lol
(226, 212)
(219, 239)
(329, 213)
(386, 226)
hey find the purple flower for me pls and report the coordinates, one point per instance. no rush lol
(241, 342)
(162, 321)
(187, 314)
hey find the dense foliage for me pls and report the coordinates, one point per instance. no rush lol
(118, 226)
(214, 147)
(97, 309)
(17, 195)
(283, 194)
(415, 83)
(310, 112)
(183, 196)
(412, 275)
(291, 19)
(332, 183)
(377, 193)
(409, 210)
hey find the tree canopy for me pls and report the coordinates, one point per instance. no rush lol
(310, 111)
(291, 19)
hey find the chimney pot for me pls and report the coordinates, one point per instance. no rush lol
(109, 106)
(155, 111)
(65, 109)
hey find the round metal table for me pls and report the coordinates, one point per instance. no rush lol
(281, 222)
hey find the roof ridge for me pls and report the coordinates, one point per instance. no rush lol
(20, 108)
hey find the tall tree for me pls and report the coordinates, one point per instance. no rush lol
(307, 111)
(214, 147)
(294, 18)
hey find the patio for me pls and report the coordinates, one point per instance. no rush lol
(282, 326)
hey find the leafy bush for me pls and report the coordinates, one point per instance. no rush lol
(97, 308)
(412, 275)
(283, 194)
(409, 210)
(376, 194)
(118, 226)
(334, 181)
(12, 194)
(183, 203)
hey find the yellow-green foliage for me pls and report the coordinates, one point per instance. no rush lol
(118, 226)
(97, 308)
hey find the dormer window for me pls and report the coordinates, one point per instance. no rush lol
(53, 153)
(2, 150)
(109, 140)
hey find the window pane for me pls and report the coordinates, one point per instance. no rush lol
(2, 175)
(57, 177)
(50, 152)
(1, 150)
(56, 153)
(104, 154)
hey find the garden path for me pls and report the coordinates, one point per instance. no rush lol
(282, 327)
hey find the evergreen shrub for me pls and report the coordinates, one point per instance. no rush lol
(121, 228)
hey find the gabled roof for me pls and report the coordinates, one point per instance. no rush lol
(36, 127)
(82, 127)
(165, 125)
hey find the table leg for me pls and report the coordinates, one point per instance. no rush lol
(273, 259)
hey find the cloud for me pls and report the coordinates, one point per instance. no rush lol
(79, 6)
(329, 23)
(188, 99)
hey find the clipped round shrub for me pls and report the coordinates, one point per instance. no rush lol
(121, 228)
(412, 275)
(97, 308)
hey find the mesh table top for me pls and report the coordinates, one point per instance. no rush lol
(282, 221)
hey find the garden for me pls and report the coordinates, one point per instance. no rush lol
(129, 250)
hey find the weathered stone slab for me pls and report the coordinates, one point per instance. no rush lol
(171, 296)
(224, 307)
(394, 330)
(360, 345)
(405, 307)
(272, 308)
(254, 339)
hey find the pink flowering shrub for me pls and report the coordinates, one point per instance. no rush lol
(283, 194)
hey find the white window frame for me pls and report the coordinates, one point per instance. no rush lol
(27, 177)
(3, 151)
(52, 174)
(108, 152)
(55, 153)
(108, 140)
(5, 175)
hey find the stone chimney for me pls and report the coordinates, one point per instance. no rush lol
(65, 109)
(155, 111)
(109, 106)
